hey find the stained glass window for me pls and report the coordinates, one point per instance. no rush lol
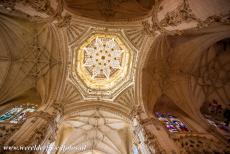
(172, 123)
(217, 115)
(220, 125)
(17, 113)
(9, 114)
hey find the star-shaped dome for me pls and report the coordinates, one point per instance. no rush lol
(103, 57)
(102, 65)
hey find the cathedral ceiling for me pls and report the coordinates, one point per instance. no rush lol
(61, 19)
(102, 65)
(172, 70)
(151, 52)
(96, 129)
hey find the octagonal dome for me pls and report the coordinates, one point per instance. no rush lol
(102, 64)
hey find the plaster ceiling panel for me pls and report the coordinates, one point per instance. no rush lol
(102, 64)
(110, 9)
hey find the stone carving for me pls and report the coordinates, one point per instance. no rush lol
(38, 5)
(41, 114)
(150, 26)
(74, 30)
(37, 59)
(163, 67)
(212, 75)
(136, 36)
(95, 74)
(153, 26)
(103, 57)
(127, 98)
(64, 21)
(38, 135)
(196, 144)
(183, 13)
(213, 19)
(46, 129)
(58, 109)
(6, 131)
(142, 132)
(152, 143)
(71, 94)
(108, 7)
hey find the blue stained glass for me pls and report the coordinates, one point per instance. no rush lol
(10, 113)
(171, 122)
(5, 117)
(17, 114)
(21, 116)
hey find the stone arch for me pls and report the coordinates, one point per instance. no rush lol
(96, 128)
(213, 74)
(30, 96)
(151, 71)
(14, 113)
(211, 78)
(165, 104)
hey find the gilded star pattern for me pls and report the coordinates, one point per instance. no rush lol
(103, 56)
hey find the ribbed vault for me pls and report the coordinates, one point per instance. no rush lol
(179, 61)
(183, 75)
(96, 129)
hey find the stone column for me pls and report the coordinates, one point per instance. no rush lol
(38, 130)
(139, 133)
(156, 137)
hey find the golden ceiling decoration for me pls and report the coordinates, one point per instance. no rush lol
(103, 57)
(102, 64)
(102, 60)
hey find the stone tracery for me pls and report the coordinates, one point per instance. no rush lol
(102, 65)
(114, 52)
(103, 57)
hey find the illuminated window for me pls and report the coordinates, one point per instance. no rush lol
(17, 114)
(217, 116)
(172, 123)
(103, 57)
(219, 124)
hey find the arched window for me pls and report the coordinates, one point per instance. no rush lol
(17, 113)
(172, 123)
